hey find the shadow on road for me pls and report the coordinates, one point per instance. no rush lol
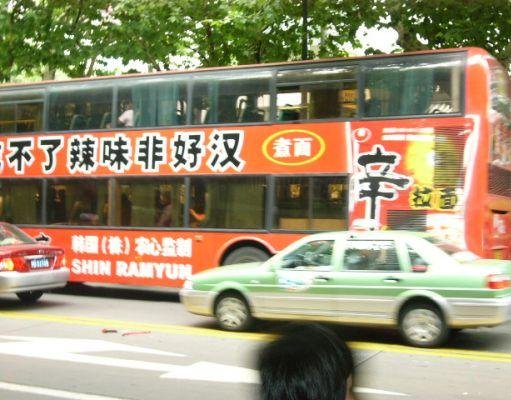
(120, 292)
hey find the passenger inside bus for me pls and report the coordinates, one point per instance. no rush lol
(440, 101)
(372, 106)
(249, 112)
(126, 118)
(197, 210)
(164, 214)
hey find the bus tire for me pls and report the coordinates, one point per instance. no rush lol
(30, 296)
(232, 312)
(423, 325)
(246, 254)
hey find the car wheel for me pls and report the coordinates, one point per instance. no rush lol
(30, 296)
(232, 313)
(245, 255)
(422, 325)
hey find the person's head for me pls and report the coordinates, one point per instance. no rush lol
(308, 362)
(165, 197)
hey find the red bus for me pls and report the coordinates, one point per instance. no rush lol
(146, 179)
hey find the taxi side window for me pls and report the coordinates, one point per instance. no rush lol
(313, 254)
(371, 255)
(415, 258)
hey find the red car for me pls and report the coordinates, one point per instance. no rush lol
(29, 267)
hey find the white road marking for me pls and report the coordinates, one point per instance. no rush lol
(70, 350)
(377, 391)
(60, 394)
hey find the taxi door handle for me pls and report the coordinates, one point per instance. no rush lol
(391, 279)
(322, 278)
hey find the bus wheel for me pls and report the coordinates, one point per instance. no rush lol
(245, 255)
(422, 325)
(232, 312)
(30, 296)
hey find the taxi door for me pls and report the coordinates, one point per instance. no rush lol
(370, 281)
(304, 282)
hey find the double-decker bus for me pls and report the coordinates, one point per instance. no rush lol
(146, 179)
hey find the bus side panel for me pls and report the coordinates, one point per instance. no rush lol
(144, 257)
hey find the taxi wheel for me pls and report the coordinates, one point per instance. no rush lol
(30, 296)
(232, 312)
(422, 325)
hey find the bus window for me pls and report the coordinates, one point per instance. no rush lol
(7, 118)
(329, 203)
(29, 117)
(149, 203)
(20, 202)
(75, 202)
(316, 93)
(152, 102)
(311, 203)
(21, 112)
(231, 203)
(73, 108)
(413, 87)
(240, 97)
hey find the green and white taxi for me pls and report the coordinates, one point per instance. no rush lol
(401, 279)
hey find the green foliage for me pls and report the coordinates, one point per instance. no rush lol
(453, 23)
(39, 37)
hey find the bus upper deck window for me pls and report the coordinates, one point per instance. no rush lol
(240, 96)
(316, 93)
(419, 86)
(73, 108)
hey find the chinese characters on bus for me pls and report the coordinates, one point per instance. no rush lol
(424, 197)
(184, 150)
(109, 255)
(378, 181)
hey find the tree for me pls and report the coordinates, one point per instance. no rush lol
(453, 23)
(77, 36)
(14, 27)
(220, 32)
(48, 35)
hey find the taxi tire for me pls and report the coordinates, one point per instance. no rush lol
(30, 296)
(233, 313)
(423, 325)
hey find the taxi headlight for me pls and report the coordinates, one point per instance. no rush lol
(188, 284)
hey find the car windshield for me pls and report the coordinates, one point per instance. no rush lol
(458, 253)
(10, 234)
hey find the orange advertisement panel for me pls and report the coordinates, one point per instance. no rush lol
(412, 165)
(143, 257)
(229, 150)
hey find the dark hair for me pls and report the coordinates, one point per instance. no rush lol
(308, 362)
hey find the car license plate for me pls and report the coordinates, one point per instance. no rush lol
(37, 263)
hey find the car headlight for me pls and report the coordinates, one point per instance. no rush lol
(188, 284)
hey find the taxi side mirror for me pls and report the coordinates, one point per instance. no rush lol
(419, 268)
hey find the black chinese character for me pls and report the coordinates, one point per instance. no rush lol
(421, 197)
(82, 154)
(150, 152)
(225, 147)
(187, 150)
(51, 146)
(380, 181)
(21, 154)
(447, 199)
(116, 153)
